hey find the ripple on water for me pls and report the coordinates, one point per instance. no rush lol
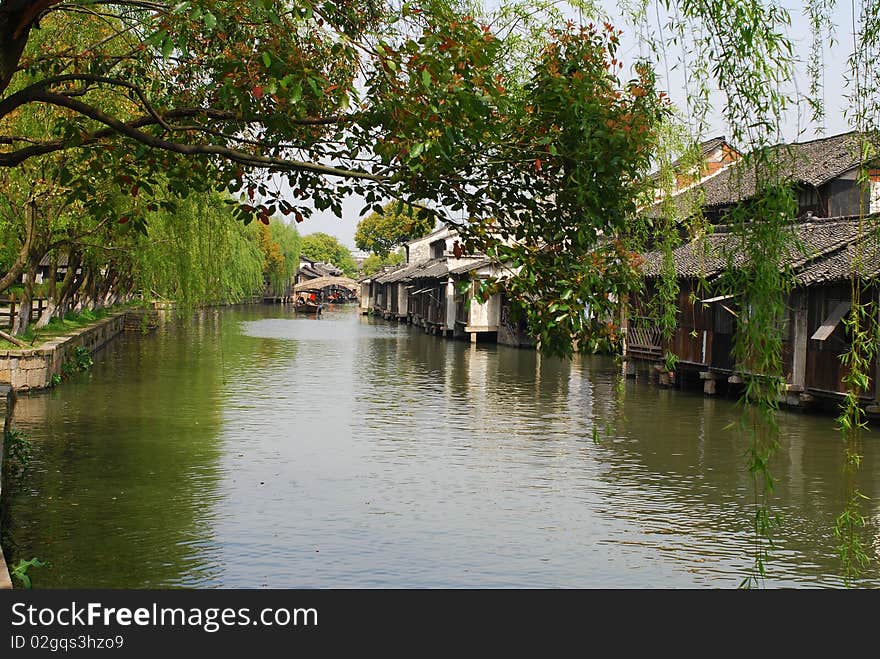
(263, 449)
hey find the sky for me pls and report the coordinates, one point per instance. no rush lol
(796, 127)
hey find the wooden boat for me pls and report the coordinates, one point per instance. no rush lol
(308, 307)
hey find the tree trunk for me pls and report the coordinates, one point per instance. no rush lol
(23, 319)
(52, 285)
(52, 294)
(78, 299)
(68, 285)
(92, 294)
(108, 286)
(10, 48)
(15, 270)
(47, 315)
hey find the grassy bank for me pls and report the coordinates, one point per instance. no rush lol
(61, 326)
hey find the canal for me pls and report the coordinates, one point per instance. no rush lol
(251, 448)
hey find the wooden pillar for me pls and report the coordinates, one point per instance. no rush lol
(708, 378)
(873, 410)
(799, 341)
(624, 328)
(450, 303)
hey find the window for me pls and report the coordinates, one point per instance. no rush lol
(835, 310)
(724, 317)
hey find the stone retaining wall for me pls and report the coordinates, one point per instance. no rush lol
(28, 369)
(5, 406)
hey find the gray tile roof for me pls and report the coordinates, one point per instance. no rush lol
(706, 147)
(439, 267)
(431, 269)
(821, 249)
(815, 162)
(706, 256)
(468, 267)
(396, 274)
(837, 264)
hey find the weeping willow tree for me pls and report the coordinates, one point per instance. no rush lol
(198, 255)
(862, 323)
(280, 247)
(737, 58)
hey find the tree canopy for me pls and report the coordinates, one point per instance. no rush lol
(527, 125)
(397, 223)
(374, 263)
(324, 247)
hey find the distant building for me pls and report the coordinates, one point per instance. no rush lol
(309, 269)
(359, 257)
(435, 289)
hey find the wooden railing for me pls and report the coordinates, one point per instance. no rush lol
(9, 308)
(642, 335)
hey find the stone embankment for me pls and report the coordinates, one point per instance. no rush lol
(26, 369)
(5, 407)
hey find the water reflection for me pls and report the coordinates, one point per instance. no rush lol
(257, 448)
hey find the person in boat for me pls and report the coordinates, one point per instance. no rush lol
(301, 300)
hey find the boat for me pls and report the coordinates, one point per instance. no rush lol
(337, 298)
(308, 307)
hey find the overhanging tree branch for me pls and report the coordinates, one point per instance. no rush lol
(37, 94)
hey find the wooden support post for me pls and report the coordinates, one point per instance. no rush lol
(877, 366)
(799, 341)
(709, 382)
(665, 378)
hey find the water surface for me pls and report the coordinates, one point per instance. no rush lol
(254, 448)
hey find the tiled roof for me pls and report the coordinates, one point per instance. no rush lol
(815, 162)
(396, 274)
(61, 260)
(710, 145)
(705, 148)
(821, 249)
(431, 269)
(473, 265)
(838, 264)
(706, 257)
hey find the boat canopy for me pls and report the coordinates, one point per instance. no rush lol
(321, 283)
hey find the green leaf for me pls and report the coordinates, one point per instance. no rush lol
(426, 78)
(267, 60)
(210, 20)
